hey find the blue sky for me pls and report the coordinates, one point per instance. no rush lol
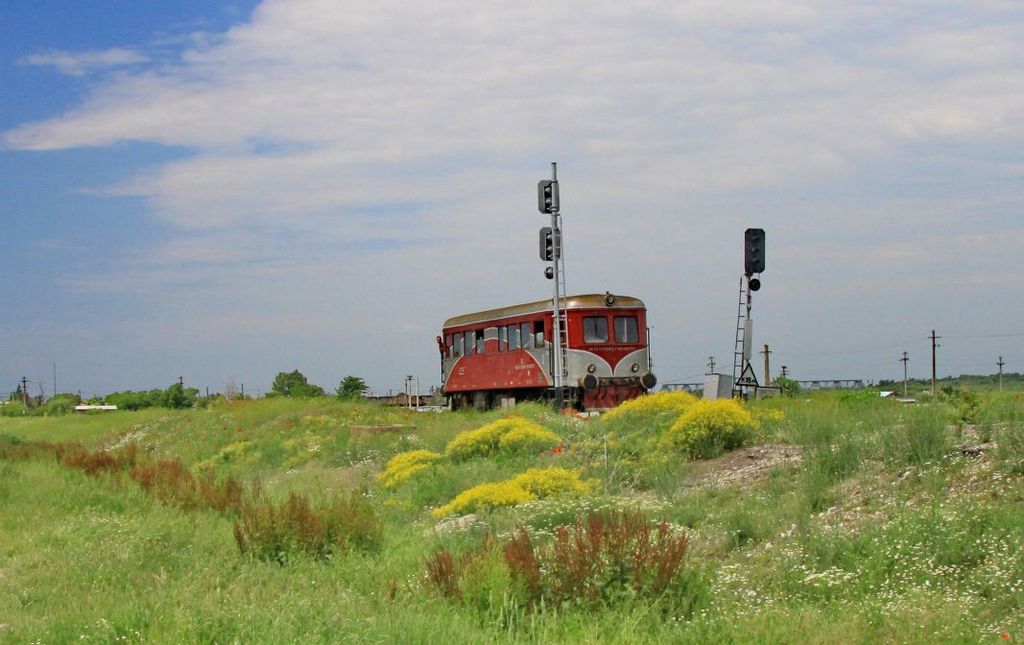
(226, 190)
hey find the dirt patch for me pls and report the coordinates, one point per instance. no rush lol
(744, 466)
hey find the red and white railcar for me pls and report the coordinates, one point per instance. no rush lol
(500, 356)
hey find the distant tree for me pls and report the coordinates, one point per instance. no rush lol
(61, 404)
(787, 386)
(178, 397)
(351, 387)
(175, 397)
(295, 384)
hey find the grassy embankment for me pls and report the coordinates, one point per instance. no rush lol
(859, 521)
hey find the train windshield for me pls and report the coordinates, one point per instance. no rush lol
(595, 329)
(626, 329)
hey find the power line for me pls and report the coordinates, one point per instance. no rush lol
(1009, 335)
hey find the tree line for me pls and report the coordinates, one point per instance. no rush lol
(292, 384)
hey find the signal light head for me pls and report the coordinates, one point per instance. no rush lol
(547, 196)
(753, 251)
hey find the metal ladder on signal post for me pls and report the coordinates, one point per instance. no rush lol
(563, 322)
(739, 348)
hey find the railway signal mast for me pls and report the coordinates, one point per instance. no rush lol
(551, 251)
(744, 380)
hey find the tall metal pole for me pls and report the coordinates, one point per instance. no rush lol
(556, 303)
(748, 326)
(904, 360)
(934, 345)
(1000, 364)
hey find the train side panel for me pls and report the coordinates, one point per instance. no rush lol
(506, 353)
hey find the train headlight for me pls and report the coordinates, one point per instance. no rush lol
(634, 368)
(591, 368)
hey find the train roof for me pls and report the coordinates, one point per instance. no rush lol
(583, 301)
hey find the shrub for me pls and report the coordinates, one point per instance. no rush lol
(490, 495)
(533, 484)
(528, 439)
(653, 404)
(966, 406)
(60, 404)
(171, 483)
(599, 559)
(14, 448)
(477, 578)
(443, 572)
(404, 465)
(709, 427)
(230, 453)
(270, 531)
(787, 386)
(93, 463)
(167, 479)
(545, 482)
(486, 440)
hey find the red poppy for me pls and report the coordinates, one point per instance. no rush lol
(1004, 636)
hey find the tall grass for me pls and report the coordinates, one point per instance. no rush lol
(842, 547)
(922, 437)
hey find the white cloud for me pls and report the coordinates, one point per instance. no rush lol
(81, 63)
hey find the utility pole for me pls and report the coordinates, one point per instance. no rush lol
(24, 392)
(934, 345)
(767, 369)
(785, 374)
(55, 378)
(904, 361)
(181, 381)
(711, 364)
(1000, 364)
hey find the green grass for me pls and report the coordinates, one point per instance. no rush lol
(883, 532)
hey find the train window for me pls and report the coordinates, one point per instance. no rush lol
(595, 329)
(625, 329)
(470, 342)
(448, 346)
(480, 343)
(513, 336)
(458, 349)
(502, 339)
(538, 333)
(524, 338)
